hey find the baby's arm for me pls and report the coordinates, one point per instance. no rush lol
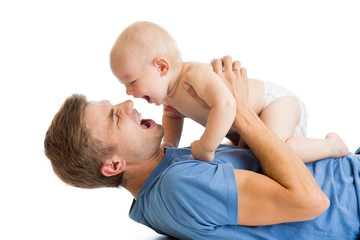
(209, 87)
(173, 123)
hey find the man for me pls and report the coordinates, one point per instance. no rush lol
(97, 144)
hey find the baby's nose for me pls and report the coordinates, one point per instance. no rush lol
(129, 91)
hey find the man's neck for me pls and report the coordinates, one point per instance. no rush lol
(136, 175)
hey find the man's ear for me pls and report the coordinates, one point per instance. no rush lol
(113, 166)
(162, 65)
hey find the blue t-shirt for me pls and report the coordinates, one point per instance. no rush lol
(190, 199)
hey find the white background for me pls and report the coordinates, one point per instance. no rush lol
(51, 49)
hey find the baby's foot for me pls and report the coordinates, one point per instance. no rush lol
(338, 147)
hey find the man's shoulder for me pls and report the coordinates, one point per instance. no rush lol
(180, 170)
(186, 173)
(182, 164)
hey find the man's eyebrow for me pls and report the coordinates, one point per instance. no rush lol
(111, 116)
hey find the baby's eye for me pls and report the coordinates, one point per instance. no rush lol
(133, 82)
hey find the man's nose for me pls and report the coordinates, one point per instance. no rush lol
(127, 107)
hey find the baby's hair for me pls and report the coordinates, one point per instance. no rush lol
(149, 40)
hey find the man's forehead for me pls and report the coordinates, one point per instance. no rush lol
(101, 102)
(96, 109)
(97, 117)
(106, 101)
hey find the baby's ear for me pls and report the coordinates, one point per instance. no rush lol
(162, 65)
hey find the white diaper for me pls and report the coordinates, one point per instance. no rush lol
(273, 91)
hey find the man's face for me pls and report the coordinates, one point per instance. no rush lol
(121, 125)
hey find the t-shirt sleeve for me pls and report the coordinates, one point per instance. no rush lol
(199, 193)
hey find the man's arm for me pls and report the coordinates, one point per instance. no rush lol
(288, 192)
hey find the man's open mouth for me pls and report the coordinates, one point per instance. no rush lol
(147, 123)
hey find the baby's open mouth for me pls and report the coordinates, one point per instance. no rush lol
(147, 98)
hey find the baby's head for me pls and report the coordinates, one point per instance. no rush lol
(144, 58)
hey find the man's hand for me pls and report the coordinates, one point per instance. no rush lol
(234, 76)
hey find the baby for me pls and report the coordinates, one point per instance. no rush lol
(147, 61)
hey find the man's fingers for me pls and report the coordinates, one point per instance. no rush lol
(244, 84)
(217, 65)
(236, 65)
(243, 73)
(227, 61)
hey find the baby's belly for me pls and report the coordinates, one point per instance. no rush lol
(190, 108)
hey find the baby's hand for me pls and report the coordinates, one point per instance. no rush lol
(200, 153)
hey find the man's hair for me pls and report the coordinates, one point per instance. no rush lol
(76, 157)
(148, 40)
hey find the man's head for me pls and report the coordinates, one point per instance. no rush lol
(142, 58)
(90, 144)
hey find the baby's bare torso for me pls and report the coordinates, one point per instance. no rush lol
(189, 107)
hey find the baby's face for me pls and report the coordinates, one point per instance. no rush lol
(141, 80)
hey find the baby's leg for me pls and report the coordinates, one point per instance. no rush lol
(282, 117)
(310, 149)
